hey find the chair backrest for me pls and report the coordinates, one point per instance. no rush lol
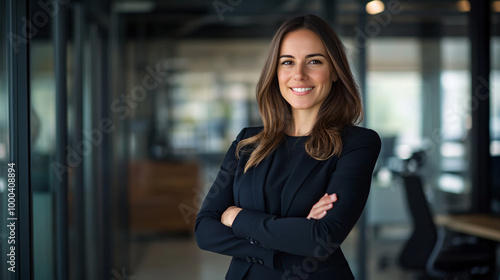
(419, 246)
(495, 183)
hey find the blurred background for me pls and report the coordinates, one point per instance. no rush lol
(133, 104)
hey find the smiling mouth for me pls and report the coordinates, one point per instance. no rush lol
(302, 90)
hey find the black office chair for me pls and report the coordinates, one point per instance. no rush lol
(430, 251)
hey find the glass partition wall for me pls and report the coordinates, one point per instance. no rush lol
(77, 165)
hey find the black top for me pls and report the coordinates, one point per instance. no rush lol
(285, 158)
(283, 161)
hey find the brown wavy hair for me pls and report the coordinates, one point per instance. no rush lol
(342, 107)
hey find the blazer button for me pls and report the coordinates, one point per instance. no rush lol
(261, 261)
(254, 260)
(252, 241)
(249, 259)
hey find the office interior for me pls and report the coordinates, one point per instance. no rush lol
(118, 113)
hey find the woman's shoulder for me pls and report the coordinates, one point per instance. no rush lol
(248, 132)
(360, 135)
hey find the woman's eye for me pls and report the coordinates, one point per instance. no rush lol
(287, 62)
(315, 62)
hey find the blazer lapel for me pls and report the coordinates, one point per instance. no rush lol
(258, 181)
(304, 166)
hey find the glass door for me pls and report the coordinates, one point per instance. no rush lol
(76, 203)
(15, 232)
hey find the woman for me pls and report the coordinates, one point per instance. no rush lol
(288, 193)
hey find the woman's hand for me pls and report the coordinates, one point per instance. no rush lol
(324, 204)
(229, 215)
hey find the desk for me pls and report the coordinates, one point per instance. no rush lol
(480, 225)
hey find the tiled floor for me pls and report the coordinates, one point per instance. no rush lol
(180, 259)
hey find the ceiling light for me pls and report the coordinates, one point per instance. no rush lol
(495, 6)
(133, 7)
(375, 7)
(463, 6)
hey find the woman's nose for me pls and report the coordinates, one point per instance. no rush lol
(299, 73)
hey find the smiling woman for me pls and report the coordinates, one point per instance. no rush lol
(342, 107)
(289, 193)
(305, 75)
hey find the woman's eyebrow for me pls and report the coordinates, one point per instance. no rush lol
(307, 56)
(314, 54)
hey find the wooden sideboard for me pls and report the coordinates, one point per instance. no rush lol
(158, 191)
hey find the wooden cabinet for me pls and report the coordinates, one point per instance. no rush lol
(158, 192)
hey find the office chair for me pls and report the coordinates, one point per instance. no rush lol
(429, 251)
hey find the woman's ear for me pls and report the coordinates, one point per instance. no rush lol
(334, 76)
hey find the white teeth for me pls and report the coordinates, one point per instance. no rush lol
(302, 89)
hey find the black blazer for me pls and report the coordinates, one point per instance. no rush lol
(302, 247)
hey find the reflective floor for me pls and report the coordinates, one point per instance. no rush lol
(180, 259)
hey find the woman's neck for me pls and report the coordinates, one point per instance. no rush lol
(303, 122)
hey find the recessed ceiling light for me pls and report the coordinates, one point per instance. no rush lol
(133, 6)
(463, 6)
(495, 6)
(375, 7)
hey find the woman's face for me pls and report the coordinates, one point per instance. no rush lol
(305, 72)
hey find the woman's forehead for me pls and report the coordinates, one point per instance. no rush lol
(302, 42)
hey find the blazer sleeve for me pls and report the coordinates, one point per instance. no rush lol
(299, 236)
(211, 234)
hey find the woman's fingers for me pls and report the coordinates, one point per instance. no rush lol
(229, 215)
(326, 199)
(319, 212)
(319, 209)
(319, 216)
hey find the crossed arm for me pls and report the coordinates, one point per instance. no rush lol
(318, 211)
